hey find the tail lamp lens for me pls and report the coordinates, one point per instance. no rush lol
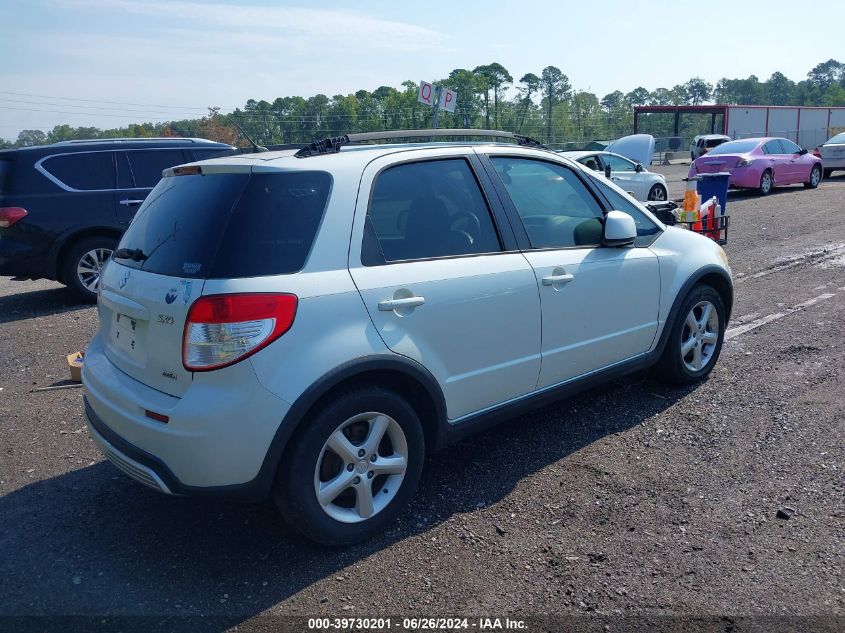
(221, 330)
(10, 215)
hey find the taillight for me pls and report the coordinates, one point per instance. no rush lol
(10, 215)
(744, 162)
(817, 153)
(221, 330)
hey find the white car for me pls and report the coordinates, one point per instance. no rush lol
(309, 324)
(832, 154)
(703, 143)
(629, 175)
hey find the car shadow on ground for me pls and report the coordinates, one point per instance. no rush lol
(36, 303)
(91, 541)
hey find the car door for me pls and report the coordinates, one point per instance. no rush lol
(796, 167)
(778, 161)
(443, 283)
(599, 304)
(138, 172)
(624, 173)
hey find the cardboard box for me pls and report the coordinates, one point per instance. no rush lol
(75, 361)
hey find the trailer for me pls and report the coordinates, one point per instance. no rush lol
(809, 126)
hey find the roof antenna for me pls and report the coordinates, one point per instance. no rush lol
(255, 146)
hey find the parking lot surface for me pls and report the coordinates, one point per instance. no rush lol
(721, 499)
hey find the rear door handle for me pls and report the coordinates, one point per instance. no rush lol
(129, 202)
(408, 302)
(558, 279)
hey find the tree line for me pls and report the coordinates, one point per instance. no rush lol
(543, 105)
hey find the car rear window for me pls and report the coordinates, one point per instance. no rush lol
(836, 140)
(733, 147)
(228, 225)
(714, 142)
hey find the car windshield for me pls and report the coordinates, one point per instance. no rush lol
(734, 147)
(836, 140)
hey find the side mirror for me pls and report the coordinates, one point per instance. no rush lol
(619, 229)
(638, 168)
(802, 151)
(607, 171)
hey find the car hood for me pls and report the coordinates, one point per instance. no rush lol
(638, 147)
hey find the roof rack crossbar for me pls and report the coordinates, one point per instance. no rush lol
(333, 144)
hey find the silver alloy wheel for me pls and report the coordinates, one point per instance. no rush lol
(657, 193)
(815, 176)
(700, 335)
(766, 182)
(361, 467)
(89, 266)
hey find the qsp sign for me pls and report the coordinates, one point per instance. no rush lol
(426, 94)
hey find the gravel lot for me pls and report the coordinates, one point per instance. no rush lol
(634, 499)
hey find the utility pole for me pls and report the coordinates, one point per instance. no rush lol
(436, 116)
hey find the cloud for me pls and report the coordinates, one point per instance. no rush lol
(305, 27)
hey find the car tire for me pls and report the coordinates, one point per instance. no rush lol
(318, 460)
(766, 183)
(828, 173)
(692, 349)
(658, 193)
(815, 178)
(82, 264)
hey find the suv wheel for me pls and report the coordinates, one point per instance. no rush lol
(83, 263)
(353, 467)
(696, 338)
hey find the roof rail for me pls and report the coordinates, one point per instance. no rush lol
(129, 139)
(333, 144)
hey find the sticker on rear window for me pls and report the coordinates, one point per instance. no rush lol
(191, 268)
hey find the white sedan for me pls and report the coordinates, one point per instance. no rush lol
(832, 154)
(627, 174)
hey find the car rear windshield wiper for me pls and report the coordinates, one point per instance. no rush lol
(135, 254)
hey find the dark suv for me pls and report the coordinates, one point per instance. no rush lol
(63, 207)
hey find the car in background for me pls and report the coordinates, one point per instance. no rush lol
(703, 143)
(761, 164)
(63, 207)
(832, 154)
(630, 175)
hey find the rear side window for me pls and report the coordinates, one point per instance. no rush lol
(556, 208)
(428, 209)
(5, 169)
(85, 171)
(147, 165)
(773, 147)
(229, 225)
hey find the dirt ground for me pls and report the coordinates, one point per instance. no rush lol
(722, 502)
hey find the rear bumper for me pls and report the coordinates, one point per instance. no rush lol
(833, 163)
(142, 467)
(18, 258)
(217, 438)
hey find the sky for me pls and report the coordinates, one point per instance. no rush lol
(107, 63)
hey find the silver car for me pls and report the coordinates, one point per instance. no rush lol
(832, 153)
(309, 324)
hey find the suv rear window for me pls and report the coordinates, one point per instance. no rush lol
(229, 225)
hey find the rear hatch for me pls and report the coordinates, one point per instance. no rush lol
(223, 223)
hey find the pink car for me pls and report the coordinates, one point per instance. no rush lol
(761, 163)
